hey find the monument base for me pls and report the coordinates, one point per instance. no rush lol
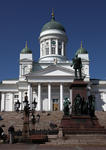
(83, 124)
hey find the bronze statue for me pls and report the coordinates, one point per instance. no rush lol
(76, 62)
(77, 104)
(84, 107)
(66, 107)
(91, 105)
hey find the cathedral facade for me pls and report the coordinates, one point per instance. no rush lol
(49, 79)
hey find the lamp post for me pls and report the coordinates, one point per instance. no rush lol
(17, 106)
(34, 104)
(33, 120)
(26, 117)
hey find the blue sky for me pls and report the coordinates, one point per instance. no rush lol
(22, 20)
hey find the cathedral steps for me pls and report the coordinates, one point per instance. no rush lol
(16, 119)
(80, 139)
(101, 115)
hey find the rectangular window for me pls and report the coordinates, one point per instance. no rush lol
(16, 96)
(47, 51)
(53, 50)
(59, 47)
(7, 96)
(59, 51)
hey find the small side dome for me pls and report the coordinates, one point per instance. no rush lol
(26, 50)
(53, 25)
(81, 50)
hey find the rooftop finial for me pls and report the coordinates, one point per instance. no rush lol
(81, 44)
(53, 17)
(26, 45)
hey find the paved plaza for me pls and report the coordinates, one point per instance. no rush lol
(48, 147)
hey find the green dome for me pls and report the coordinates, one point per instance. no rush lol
(53, 25)
(81, 51)
(26, 50)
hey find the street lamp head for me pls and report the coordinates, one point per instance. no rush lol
(25, 102)
(17, 105)
(34, 104)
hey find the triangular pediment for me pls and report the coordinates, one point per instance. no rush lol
(25, 60)
(53, 70)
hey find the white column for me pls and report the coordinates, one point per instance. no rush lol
(12, 101)
(39, 97)
(71, 96)
(50, 47)
(61, 96)
(3, 102)
(31, 98)
(20, 70)
(56, 47)
(20, 97)
(71, 100)
(40, 49)
(49, 96)
(44, 49)
(30, 95)
(62, 49)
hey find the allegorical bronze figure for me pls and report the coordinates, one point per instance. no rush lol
(66, 107)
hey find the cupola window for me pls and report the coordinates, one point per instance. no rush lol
(53, 46)
(42, 49)
(47, 47)
(59, 47)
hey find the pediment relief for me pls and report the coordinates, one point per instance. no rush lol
(53, 70)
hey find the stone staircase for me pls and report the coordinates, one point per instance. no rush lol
(11, 118)
(16, 119)
(80, 139)
(101, 115)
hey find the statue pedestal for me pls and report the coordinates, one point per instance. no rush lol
(79, 87)
(26, 126)
(83, 124)
(80, 122)
(60, 134)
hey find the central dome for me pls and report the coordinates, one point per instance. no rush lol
(53, 41)
(53, 25)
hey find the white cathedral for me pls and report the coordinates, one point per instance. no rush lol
(48, 80)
